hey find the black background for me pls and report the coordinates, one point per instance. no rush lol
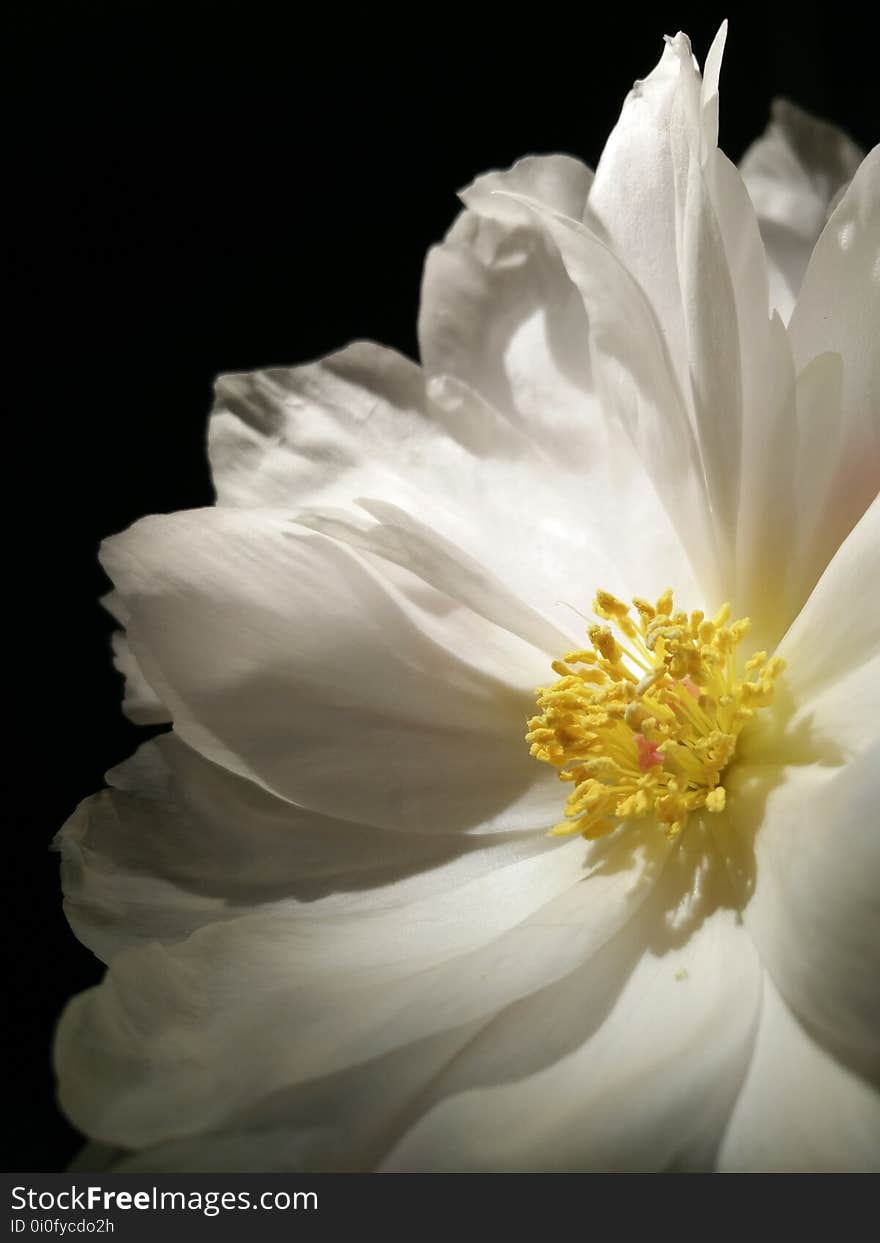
(201, 188)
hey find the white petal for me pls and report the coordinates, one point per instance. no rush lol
(712, 334)
(811, 899)
(709, 92)
(640, 176)
(341, 1122)
(838, 310)
(799, 1110)
(606, 1072)
(177, 842)
(833, 648)
(295, 661)
(403, 540)
(360, 425)
(793, 172)
(771, 492)
(818, 457)
(140, 703)
(800, 826)
(676, 213)
(499, 313)
(650, 199)
(290, 435)
(636, 384)
(559, 181)
(188, 1037)
(500, 316)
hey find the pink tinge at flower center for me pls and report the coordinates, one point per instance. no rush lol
(649, 752)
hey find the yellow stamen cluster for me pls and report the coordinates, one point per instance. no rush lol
(644, 721)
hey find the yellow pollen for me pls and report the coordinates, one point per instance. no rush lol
(645, 722)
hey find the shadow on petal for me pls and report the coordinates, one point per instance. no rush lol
(713, 864)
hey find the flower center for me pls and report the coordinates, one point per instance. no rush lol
(646, 722)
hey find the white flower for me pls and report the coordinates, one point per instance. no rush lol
(337, 932)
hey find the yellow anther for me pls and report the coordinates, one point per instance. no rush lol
(664, 604)
(583, 656)
(606, 605)
(716, 799)
(649, 680)
(565, 829)
(647, 727)
(605, 643)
